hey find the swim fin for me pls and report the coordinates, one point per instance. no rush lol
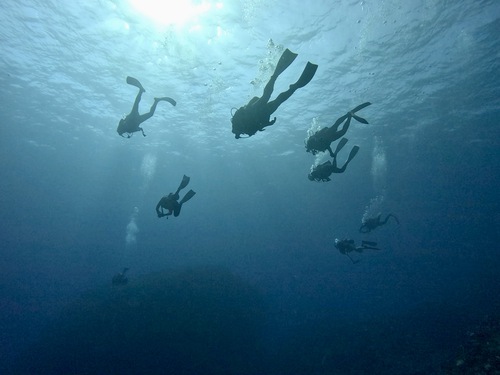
(306, 75)
(361, 106)
(341, 144)
(183, 184)
(190, 194)
(352, 154)
(135, 82)
(167, 99)
(286, 59)
(358, 108)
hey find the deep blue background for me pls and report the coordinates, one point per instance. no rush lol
(70, 186)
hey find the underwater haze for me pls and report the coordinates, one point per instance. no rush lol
(247, 279)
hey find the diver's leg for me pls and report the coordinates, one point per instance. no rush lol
(284, 62)
(336, 169)
(340, 145)
(339, 121)
(135, 108)
(151, 112)
(304, 79)
(369, 244)
(335, 134)
(280, 99)
(268, 90)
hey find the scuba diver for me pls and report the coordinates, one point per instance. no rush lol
(323, 171)
(372, 223)
(347, 246)
(170, 202)
(322, 139)
(120, 278)
(130, 124)
(255, 116)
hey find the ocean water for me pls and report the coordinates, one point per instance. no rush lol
(251, 258)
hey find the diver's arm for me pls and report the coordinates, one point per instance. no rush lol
(159, 209)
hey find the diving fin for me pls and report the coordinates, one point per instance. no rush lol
(352, 154)
(167, 99)
(341, 144)
(190, 194)
(286, 59)
(135, 82)
(358, 108)
(184, 183)
(360, 119)
(306, 75)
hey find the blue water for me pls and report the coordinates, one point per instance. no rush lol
(77, 201)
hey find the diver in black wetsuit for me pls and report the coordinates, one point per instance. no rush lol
(323, 171)
(372, 223)
(255, 116)
(322, 139)
(170, 202)
(130, 124)
(347, 246)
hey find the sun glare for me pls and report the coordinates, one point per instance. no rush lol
(171, 12)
